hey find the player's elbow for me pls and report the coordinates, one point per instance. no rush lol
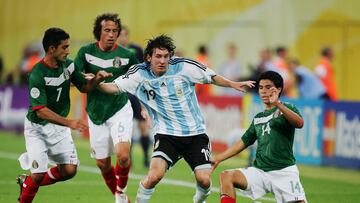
(299, 124)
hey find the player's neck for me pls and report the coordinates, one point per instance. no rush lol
(50, 61)
(105, 48)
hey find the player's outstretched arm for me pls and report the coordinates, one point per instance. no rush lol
(48, 115)
(230, 152)
(109, 88)
(94, 80)
(240, 86)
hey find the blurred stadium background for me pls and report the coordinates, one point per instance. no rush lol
(327, 148)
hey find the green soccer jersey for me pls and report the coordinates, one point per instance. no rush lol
(91, 59)
(50, 87)
(275, 136)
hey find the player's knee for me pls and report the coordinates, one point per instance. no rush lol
(123, 158)
(154, 178)
(225, 176)
(103, 165)
(68, 172)
(204, 180)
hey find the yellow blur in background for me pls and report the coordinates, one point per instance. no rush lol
(304, 26)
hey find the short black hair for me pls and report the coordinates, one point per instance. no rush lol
(53, 37)
(273, 76)
(280, 49)
(160, 42)
(105, 16)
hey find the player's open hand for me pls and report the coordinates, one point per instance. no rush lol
(78, 125)
(242, 86)
(273, 95)
(102, 75)
(88, 76)
(214, 163)
(146, 116)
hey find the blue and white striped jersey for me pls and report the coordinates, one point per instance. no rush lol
(170, 99)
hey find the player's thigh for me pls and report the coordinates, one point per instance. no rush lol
(64, 152)
(286, 185)
(197, 152)
(258, 183)
(166, 148)
(35, 159)
(100, 141)
(121, 125)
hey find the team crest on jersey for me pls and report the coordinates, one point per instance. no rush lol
(66, 74)
(117, 62)
(34, 92)
(179, 92)
(35, 164)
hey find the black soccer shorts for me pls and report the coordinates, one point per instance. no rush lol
(196, 150)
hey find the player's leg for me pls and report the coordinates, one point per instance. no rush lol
(229, 180)
(144, 141)
(64, 154)
(102, 149)
(121, 126)
(35, 160)
(164, 156)
(197, 152)
(158, 167)
(287, 187)
(203, 185)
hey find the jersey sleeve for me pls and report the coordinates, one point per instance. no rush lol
(77, 77)
(130, 81)
(197, 72)
(250, 135)
(38, 97)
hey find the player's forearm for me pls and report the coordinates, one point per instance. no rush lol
(52, 117)
(221, 81)
(232, 151)
(290, 116)
(109, 88)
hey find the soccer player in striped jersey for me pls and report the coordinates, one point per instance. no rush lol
(110, 117)
(46, 129)
(165, 85)
(274, 167)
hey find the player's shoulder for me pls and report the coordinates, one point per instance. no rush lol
(124, 51)
(90, 47)
(68, 62)
(137, 69)
(175, 61)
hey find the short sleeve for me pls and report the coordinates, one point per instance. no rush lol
(197, 72)
(250, 135)
(37, 91)
(77, 78)
(130, 81)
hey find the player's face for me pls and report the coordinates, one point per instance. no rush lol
(109, 34)
(264, 90)
(62, 50)
(159, 61)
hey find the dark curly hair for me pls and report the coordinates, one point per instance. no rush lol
(105, 16)
(160, 42)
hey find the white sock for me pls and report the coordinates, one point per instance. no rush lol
(143, 195)
(201, 193)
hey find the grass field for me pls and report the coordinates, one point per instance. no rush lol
(321, 184)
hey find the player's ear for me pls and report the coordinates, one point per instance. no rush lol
(148, 58)
(51, 49)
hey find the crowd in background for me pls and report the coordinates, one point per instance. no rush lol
(300, 81)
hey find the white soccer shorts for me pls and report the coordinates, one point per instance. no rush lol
(284, 184)
(46, 144)
(116, 129)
